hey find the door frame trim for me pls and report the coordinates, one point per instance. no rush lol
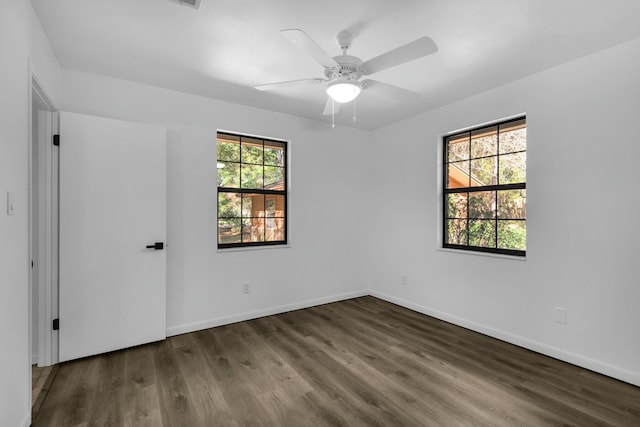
(46, 248)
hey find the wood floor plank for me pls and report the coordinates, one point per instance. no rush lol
(142, 405)
(175, 408)
(47, 374)
(68, 401)
(205, 394)
(108, 397)
(361, 362)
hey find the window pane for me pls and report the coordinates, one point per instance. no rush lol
(482, 204)
(512, 235)
(482, 233)
(458, 148)
(253, 230)
(273, 153)
(252, 205)
(274, 206)
(251, 176)
(491, 159)
(484, 142)
(457, 231)
(252, 199)
(513, 137)
(274, 229)
(273, 178)
(458, 175)
(229, 175)
(457, 205)
(483, 172)
(252, 151)
(513, 168)
(228, 205)
(228, 231)
(512, 204)
(229, 148)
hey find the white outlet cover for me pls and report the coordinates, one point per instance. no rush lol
(560, 315)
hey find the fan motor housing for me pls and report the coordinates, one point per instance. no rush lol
(350, 68)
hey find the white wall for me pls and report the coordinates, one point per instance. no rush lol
(583, 228)
(21, 40)
(325, 260)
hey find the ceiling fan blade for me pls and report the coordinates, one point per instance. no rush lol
(300, 39)
(331, 107)
(388, 91)
(416, 49)
(291, 83)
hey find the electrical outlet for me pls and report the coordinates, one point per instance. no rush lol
(245, 287)
(405, 279)
(560, 315)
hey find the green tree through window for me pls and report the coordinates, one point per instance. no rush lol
(484, 188)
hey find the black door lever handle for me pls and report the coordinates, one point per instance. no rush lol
(158, 246)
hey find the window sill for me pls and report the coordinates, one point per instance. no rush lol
(484, 254)
(253, 248)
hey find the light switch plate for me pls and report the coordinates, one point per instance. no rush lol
(11, 207)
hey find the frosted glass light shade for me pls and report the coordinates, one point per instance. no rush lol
(344, 90)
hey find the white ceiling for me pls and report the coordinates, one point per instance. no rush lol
(226, 47)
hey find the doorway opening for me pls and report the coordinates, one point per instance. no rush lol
(43, 235)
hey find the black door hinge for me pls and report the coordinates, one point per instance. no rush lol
(56, 324)
(56, 140)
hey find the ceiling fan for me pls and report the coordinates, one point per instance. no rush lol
(343, 73)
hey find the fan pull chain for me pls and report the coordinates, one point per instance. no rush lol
(354, 110)
(333, 113)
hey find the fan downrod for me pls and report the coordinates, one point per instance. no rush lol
(344, 39)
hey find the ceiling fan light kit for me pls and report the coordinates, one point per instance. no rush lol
(343, 72)
(344, 90)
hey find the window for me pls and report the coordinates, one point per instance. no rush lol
(252, 191)
(484, 189)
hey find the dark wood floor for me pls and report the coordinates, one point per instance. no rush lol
(362, 362)
(41, 379)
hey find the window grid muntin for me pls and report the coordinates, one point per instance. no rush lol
(240, 190)
(470, 189)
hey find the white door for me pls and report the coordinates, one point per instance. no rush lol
(112, 206)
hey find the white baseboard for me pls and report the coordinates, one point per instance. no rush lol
(557, 353)
(211, 323)
(34, 359)
(27, 419)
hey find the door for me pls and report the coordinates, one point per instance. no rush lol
(112, 207)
